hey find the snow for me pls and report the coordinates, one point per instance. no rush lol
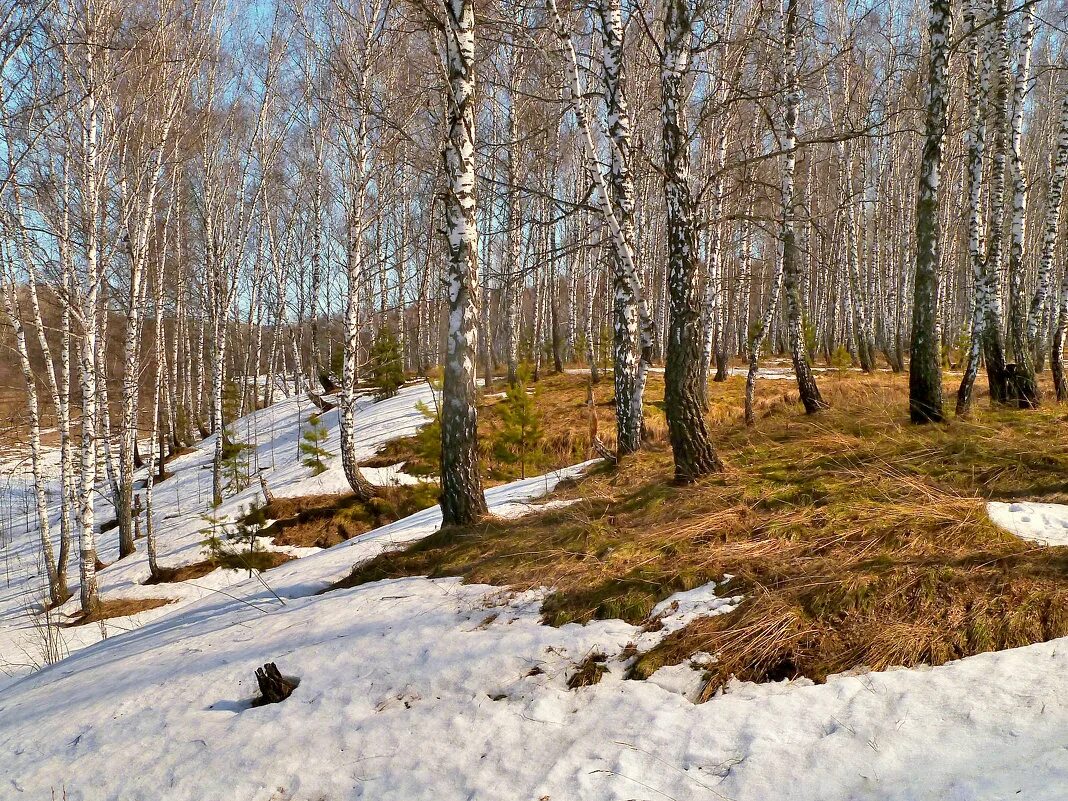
(1042, 523)
(418, 688)
(179, 504)
(422, 688)
(682, 608)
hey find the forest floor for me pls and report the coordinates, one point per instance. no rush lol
(857, 538)
(765, 610)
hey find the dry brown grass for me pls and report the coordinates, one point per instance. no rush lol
(589, 672)
(565, 418)
(190, 572)
(857, 538)
(117, 607)
(321, 521)
(258, 560)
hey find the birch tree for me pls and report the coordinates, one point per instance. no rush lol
(1024, 386)
(90, 62)
(925, 366)
(462, 498)
(356, 45)
(993, 341)
(632, 323)
(789, 253)
(1054, 195)
(632, 340)
(978, 76)
(684, 385)
(161, 77)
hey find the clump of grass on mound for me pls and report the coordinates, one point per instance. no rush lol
(857, 538)
(189, 572)
(325, 520)
(117, 607)
(251, 560)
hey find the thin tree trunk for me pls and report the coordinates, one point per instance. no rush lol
(993, 343)
(791, 262)
(1024, 387)
(978, 77)
(1041, 300)
(632, 323)
(57, 590)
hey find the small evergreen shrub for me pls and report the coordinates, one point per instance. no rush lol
(311, 446)
(808, 332)
(427, 441)
(840, 359)
(235, 463)
(521, 431)
(214, 529)
(235, 548)
(387, 364)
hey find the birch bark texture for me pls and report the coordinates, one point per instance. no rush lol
(631, 339)
(462, 498)
(993, 341)
(978, 75)
(925, 366)
(691, 446)
(1023, 387)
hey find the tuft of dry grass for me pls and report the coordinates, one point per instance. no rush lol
(589, 672)
(858, 539)
(324, 520)
(258, 560)
(117, 607)
(190, 572)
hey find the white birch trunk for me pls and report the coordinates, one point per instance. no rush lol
(633, 325)
(462, 497)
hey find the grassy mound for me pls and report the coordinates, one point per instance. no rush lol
(117, 607)
(325, 520)
(189, 572)
(857, 538)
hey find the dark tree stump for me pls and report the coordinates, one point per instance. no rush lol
(274, 687)
(327, 383)
(321, 403)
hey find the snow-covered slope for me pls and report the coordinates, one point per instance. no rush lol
(420, 689)
(430, 689)
(178, 506)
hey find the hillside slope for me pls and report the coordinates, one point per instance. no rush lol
(432, 688)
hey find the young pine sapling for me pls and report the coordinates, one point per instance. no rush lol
(311, 446)
(521, 432)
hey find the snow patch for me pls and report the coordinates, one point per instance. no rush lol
(679, 610)
(1041, 523)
